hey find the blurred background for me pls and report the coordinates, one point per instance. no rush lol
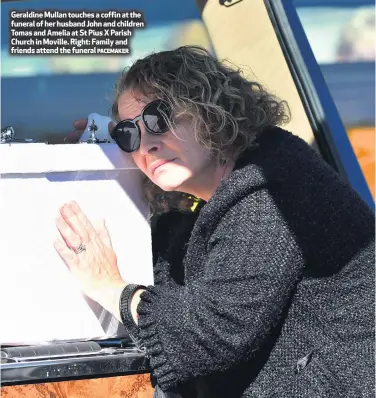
(42, 95)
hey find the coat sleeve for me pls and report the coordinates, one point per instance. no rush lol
(253, 264)
(162, 274)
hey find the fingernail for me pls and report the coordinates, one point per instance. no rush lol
(74, 205)
(67, 210)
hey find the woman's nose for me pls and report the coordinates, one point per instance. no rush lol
(149, 142)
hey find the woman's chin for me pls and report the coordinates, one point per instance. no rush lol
(168, 184)
(170, 187)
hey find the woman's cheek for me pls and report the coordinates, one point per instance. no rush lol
(140, 162)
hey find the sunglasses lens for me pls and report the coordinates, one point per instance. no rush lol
(155, 117)
(127, 136)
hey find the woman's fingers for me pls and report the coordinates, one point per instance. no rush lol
(70, 237)
(73, 137)
(79, 127)
(78, 222)
(111, 126)
(80, 124)
(83, 221)
(68, 256)
(76, 228)
(103, 233)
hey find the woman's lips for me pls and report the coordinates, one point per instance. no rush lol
(156, 165)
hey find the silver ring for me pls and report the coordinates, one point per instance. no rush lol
(81, 248)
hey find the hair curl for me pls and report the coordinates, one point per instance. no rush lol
(226, 110)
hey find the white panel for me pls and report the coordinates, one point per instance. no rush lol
(39, 299)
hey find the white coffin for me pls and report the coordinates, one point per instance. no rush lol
(40, 301)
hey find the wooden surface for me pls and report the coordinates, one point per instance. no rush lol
(137, 386)
(244, 35)
(363, 142)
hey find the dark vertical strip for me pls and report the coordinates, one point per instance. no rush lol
(201, 4)
(326, 123)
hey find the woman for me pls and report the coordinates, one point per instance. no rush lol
(277, 294)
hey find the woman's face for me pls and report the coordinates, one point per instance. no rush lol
(174, 162)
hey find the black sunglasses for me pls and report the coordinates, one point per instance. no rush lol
(155, 116)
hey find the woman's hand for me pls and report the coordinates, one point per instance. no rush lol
(79, 128)
(89, 255)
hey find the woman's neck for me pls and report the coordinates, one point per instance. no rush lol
(206, 188)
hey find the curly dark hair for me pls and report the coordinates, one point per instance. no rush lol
(226, 110)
